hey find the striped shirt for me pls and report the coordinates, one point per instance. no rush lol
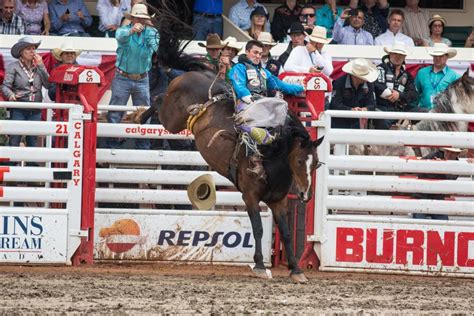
(416, 23)
(15, 27)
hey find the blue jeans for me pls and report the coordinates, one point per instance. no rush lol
(24, 115)
(122, 89)
(204, 25)
(433, 216)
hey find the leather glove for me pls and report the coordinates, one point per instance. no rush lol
(247, 99)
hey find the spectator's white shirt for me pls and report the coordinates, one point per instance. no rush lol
(300, 60)
(110, 15)
(387, 39)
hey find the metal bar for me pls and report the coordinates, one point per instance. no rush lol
(401, 115)
(398, 164)
(389, 220)
(166, 212)
(383, 204)
(155, 176)
(397, 184)
(37, 154)
(120, 108)
(25, 194)
(152, 157)
(34, 105)
(34, 128)
(36, 174)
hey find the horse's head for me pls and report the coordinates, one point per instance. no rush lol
(303, 159)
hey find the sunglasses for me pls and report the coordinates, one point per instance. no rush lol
(308, 15)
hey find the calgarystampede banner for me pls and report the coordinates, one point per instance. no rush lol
(106, 63)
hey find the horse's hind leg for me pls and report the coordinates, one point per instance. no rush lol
(253, 210)
(279, 210)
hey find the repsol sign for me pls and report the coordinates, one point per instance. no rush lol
(231, 239)
(21, 233)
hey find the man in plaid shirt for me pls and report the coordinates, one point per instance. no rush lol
(11, 23)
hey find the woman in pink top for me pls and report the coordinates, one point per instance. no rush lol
(35, 16)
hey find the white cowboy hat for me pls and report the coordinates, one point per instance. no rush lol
(65, 47)
(440, 49)
(202, 192)
(266, 39)
(453, 149)
(361, 68)
(232, 43)
(319, 35)
(139, 10)
(23, 43)
(397, 48)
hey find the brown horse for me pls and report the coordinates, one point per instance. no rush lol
(294, 157)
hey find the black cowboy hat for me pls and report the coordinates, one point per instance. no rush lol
(296, 27)
(259, 11)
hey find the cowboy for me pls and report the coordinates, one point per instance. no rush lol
(297, 36)
(213, 47)
(136, 44)
(252, 82)
(269, 63)
(10, 22)
(432, 80)
(395, 87)
(311, 58)
(354, 91)
(446, 153)
(66, 54)
(226, 60)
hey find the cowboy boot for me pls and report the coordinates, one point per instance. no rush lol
(261, 136)
(257, 168)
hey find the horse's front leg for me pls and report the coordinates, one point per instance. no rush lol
(279, 210)
(253, 210)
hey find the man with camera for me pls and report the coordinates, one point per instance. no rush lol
(308, 18)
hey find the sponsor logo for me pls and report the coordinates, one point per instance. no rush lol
(139, 130)
(231, 239)
(405, 247)
(20, 234)
(122, 235)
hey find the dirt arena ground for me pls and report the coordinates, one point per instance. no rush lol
(190, 289)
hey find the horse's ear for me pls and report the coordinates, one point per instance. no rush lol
(318, 142)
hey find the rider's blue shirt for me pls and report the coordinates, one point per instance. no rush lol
(238, 77)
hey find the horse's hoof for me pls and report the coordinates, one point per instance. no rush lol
(262, 273)
(299, 278)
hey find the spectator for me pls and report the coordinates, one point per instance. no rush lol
(283, 17)
(67, 54)
(353, 34)
(228, 56)
(267, 61)
(354, 91)
(34, 14)
(311, 58)
(469, 41)
(436, 25)
(308, 18)
(111, 15)
(240, 12)
(69, 17)
(327, 15)
(10, 22)
(258, 19)
(395, 22)
(213, 47)
(376, 13)
(434, 79)
(395, 87)
(136, 44)
(207, 18)
(448, 153)
(297, 36)
(23, 82)
(416, 22)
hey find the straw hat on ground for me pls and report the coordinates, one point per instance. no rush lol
(397, 48)
(65, 47)
(361, 68)
(139, 10)
(202, 192)
(23, 43)
(440, 49)
(266, 39)
(319, 35)
(213, 41)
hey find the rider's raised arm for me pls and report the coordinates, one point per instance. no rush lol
(276, 84)
(238, 78)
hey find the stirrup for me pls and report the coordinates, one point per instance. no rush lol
(261, 136)
(257, 168)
